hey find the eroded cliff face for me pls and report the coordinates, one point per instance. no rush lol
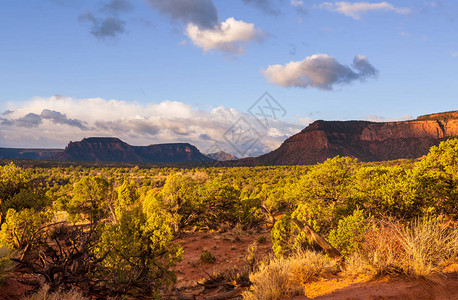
(436, 129)
(115, 150)
(367, 141)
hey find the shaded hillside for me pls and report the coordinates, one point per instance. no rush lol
(367, 141)
(18, 153)
(115, 150)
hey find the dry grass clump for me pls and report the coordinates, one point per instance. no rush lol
(422, 248)
(429, 247)
(45, 294)
(283, 277)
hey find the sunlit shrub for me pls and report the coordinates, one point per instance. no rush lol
(350, 233)
(20, 228)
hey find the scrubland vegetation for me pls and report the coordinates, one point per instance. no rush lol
(110, 232)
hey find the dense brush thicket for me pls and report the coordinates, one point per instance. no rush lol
(110, 231)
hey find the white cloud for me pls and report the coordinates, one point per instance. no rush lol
(454, 54)
(54, 121)
(356, 9)
(229, 36)
(320, 71)
(297, 3)
(375, 118)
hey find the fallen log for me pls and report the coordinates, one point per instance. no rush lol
(328, 248)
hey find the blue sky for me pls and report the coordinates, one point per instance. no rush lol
(154, 71)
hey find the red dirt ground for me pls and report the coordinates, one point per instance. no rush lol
(393, 289)
(230, 249)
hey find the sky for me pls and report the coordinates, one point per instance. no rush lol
(196, 71)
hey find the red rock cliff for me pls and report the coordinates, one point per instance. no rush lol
(367, 141)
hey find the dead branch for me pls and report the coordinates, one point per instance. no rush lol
(328, 248)
(182, 297)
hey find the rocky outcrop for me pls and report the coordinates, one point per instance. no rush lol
(221, 156)
(367, 141)
(115, 150)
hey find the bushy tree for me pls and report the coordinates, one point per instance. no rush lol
(272, 201)
(176, 199)
(287, 237)
(218, 203)
(137, 253)
(127, 196)
(20, 228)
(324, 191)
(384, 191)
(13, 180)
(28, 198)
(249, 212)
(436, 178)
(91, 199)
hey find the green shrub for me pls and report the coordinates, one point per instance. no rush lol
(249, 212)
(91, 199)
(19, 228)
(287, 238)
(436, 178)
(137, 253)
(350, 233)
(207, 257)
(218, 203)
(384, 191)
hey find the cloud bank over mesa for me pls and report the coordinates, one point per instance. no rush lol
(319, 71)
(53, 121)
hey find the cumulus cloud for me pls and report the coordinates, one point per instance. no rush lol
(204, 28)
(202, 13)
(54, 121)
(319, 71)
(356, 9)
(229, 36)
